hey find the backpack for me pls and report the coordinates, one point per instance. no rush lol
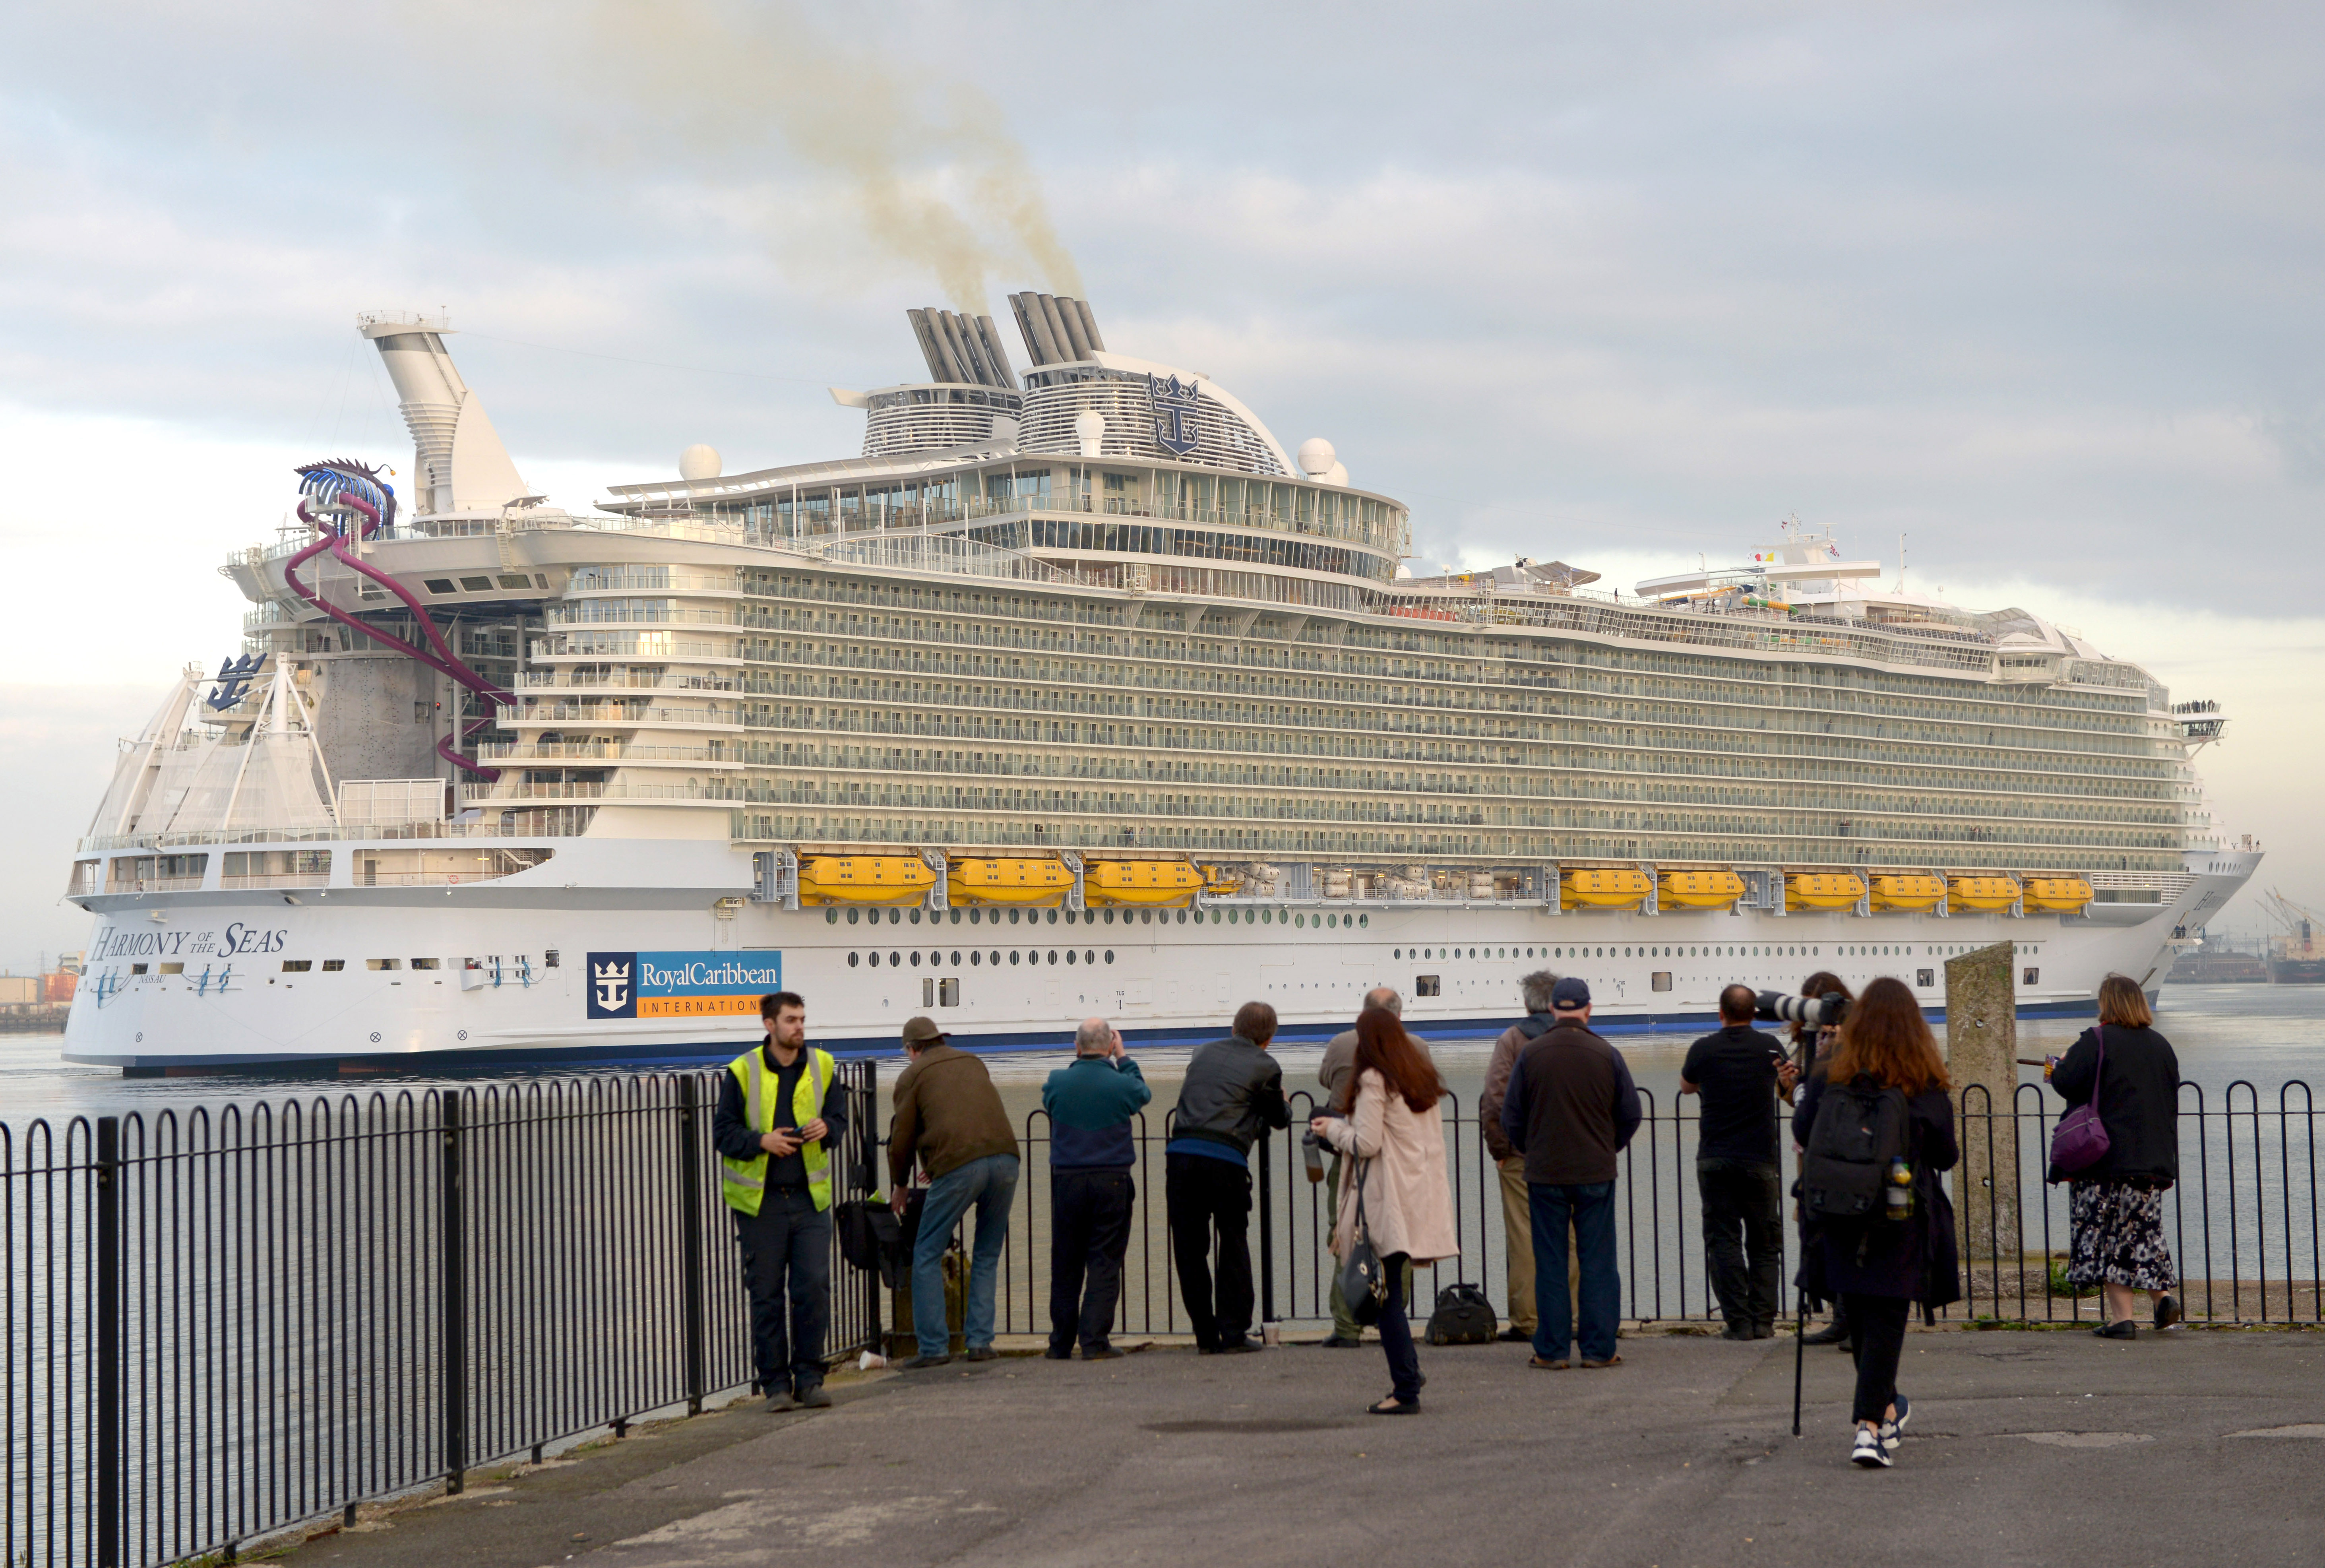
(1860, 1128)
(1463, 1317)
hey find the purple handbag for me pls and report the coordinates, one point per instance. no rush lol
(2079, 1141)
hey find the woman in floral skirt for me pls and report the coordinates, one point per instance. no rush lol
(2116, 1205)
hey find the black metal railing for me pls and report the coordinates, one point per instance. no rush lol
(219, 1325)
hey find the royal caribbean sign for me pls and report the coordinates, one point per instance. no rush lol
(682, 985)
(1175, 406)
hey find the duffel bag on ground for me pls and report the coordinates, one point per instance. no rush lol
(1463, 1317)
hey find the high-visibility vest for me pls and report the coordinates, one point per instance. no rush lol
(746, 1180)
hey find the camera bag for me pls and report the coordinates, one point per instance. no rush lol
(1463, 1317)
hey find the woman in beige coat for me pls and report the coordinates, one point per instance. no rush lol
(1386, 1120)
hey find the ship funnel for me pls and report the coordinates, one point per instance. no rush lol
(457, 462)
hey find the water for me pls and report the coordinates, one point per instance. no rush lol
(2262, 1035)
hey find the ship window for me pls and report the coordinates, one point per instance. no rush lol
(949, 991)
(136, 968)
(1012, 955)
(896, 961)
(1013, 916)
(333, 966)
(916, 917)
(1146, 917)
(1301, 921)
(1266, 916)
(1364, 920)
(927, 992)
(1397, 953)
(477, 584)
(548, 959)
(853, 959)
(955, 915)
(956, 959)
(1109, 955)
(975, 914)
(297, 965)
(1054, 955)
(876, 960)
(895, 917)
(831, 917)
(1425, 985)
(977, 958)
(2034, 977)
(1069, 955)
(425, 964)
(854, 915)
(178, 969)
(514, 580)
(1662, 980)
(993, 959)
(1926, 976)
(383, 963)
(916, 963)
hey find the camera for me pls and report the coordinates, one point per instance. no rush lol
(1823, 1011)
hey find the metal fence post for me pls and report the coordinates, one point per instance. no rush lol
(105, 1438)
(452, 1291)
(689, 1229)
(1267, 1233)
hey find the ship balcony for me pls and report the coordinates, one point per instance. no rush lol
(586, 680)
(505, 794)
(639, 646)
(622, 716)
(627, 755)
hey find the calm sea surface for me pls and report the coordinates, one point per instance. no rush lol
(2265, 1036)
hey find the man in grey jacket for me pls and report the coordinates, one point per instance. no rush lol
(1232, 1093)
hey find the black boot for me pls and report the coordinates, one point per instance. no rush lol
(1833, 1333)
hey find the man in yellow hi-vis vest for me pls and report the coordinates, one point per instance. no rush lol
(777, 1124)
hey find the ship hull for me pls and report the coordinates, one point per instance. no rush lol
(2296, 971)
(641, 951)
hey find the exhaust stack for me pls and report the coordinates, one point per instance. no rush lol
(457, 462)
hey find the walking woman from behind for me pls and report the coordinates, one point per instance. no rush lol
(1810, 1047)
(2116, 1203)
(1880, 1267)
(1389, 1127)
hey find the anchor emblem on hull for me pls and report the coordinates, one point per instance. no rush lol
(611, 994)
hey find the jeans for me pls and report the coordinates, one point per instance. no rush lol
(1743, 1235)
(786, 1251)
(989, 1184)
(1589, 1207)
(1205, 1196)
(1396, 1333)
(1090, 1231)
(1878, 1322)
(1344, 1322)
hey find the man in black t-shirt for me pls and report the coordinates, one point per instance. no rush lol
(1738, 1073)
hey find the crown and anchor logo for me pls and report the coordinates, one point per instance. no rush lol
(612, 994)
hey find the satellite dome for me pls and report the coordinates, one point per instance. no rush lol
(1317, 456)
(699, 462)
(1090, 429)
(1338, 474)
(1403, 572)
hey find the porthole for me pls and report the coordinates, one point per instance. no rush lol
(953, 916)
(1182, 918)
(830, 915)
(1109, 917)
(895, 917)
(1146, 917)
(1364, 920)
(1109, 955)
(852, 960)
(975, 957)
(854, 915)
(915, 917)
(1215, 917)
(1299, 921)
(1054, 955)
(916, 958)
(1053, 918)
(1397, 953)
(1266, 917)
(1069, 955)
(1013, 957)
(1015, 916)
(975, 914)
(1090, 958)
(896, 961)
(1071, 915)
(993, 959)
(956, 961)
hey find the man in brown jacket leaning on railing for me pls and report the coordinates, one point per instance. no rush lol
(949, 1115)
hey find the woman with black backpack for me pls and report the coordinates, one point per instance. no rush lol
(1876, 1123)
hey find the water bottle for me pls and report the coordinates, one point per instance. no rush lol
(1897, 1197)
(1312, 1150)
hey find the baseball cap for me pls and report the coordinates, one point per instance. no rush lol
(1571, 995)
(921, 1030)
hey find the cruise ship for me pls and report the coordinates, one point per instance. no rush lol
(1077, 690)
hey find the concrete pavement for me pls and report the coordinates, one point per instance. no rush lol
(2025, 1447)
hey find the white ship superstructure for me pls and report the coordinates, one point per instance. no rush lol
(1077, 692)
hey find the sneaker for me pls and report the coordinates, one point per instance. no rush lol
(1892, 1433)
(813, 1398)
(778, 1403)
(922, 1363)
(1868, 1451)
(1512, 1334)
(2167, 1311)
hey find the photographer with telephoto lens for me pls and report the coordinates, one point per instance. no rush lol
(1813, 1044)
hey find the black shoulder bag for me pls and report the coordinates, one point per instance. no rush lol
(1363, 1283)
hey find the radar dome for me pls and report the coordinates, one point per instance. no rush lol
(1403, 572)
(699, 462)
(1090, 429)
(1317, 456)
(1338, 474)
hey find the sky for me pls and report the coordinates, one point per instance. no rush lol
(2032, 286)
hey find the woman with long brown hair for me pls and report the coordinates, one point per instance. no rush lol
(1879, 1267)
(1387, 1122)
(2115, 1206)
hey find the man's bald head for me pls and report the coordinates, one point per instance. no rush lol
(1387, 1000)
(1094, 1037)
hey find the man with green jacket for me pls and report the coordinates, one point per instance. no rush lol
(776, 1125)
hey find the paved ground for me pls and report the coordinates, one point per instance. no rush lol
(2025, 1448)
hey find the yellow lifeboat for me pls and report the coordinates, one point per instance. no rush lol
(1987, 893)
(864, 879)
(1822, 889)
(1039, 879)
(2057, 895)
(1615, 888)
(1144, 882)
(1699, 889)
(1910, 893)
